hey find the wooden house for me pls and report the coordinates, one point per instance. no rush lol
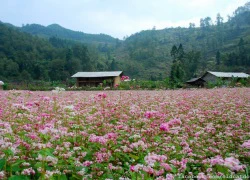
(108, 78)
(213, 77)
(198, 82)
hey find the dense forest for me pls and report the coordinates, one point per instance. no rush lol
(222, 45)
(35, 52)
(24, 57)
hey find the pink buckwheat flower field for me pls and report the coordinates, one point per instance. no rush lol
(125, 134)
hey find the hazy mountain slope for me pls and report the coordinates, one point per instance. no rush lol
(61, 32)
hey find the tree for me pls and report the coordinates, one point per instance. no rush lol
(113, 66)
(219, 20)
(174, 52)
(191, 25)
(242, 53)
(202, 24)
(218, 58)
(208, 22)
(12, 69)
(180, 52)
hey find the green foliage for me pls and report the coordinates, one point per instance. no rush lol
(146, 85)
(26, 58)
(154, 50)
(2, 163)
(21, 177)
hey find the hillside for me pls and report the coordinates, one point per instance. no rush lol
(61, 32)
(147, 53)
(24, 57)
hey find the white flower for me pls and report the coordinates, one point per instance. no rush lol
(82, 172)
(2, 174)
(57, 90)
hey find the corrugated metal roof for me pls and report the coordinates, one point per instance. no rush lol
(98, 74)
(229, 74)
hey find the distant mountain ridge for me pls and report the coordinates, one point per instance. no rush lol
(55, 30)
(215, 45)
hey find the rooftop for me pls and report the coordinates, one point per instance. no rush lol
(229, 74)
(194, 79)
(98, 74)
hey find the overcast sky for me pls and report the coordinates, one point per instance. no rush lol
(117, 18)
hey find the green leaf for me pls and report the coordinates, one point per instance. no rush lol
(16, 166)
(8, 152)
(18, 178)
(134, 157)
(46, 152)
(62, 177)
(174, 169)
(89, 156)
(133, 175)
(38, 164)
(157, 138)
(2, 163)
(222, 169)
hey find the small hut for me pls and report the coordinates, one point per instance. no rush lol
(212, 77)
(198, 82)
(111, 78)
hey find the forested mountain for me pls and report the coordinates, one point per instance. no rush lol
(24, 57)
(55, 30)
(221, 45)
(55, 53)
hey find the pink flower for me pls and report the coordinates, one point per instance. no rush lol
(166, 166)
(164, 127)
(148, 169)
(149, 114)
(216, 160)
(101, 96)
(132, 168)
(32, 136)
(246, 144)
(124, 78)
(169, 177)
(233, 164)
(174, 122)
(87, 163)
(136, 168)
(202, 176)
(111, 136)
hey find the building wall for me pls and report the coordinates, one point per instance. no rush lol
(209, 78)
(117, 80)
(110, 81)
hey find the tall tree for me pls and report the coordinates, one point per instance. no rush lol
(219, 20)
(180, 52)
(208, 22)
(218, 58)
(174, 52)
